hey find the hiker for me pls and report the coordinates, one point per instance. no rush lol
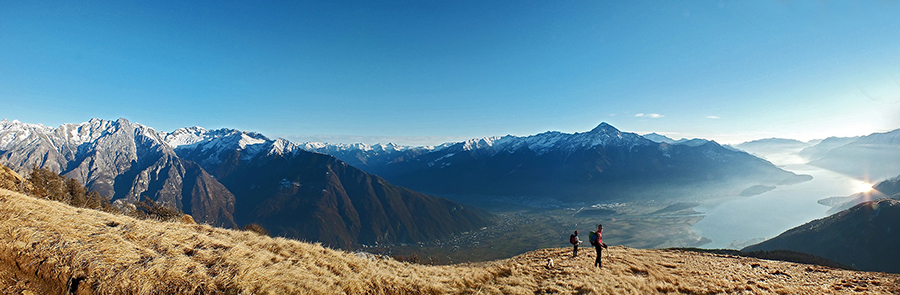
(573, 238)
(596, 239)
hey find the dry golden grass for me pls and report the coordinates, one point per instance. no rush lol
(50, 248)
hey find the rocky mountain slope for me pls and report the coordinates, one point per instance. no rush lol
(51, 248)
(229, 178)
(601, 164)
(864, 237)
(120, 160)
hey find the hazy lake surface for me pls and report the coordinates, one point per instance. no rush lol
(736, 222)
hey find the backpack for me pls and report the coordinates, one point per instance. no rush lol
(593, 238)
(572, 239)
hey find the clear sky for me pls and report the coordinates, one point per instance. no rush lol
(427, 72)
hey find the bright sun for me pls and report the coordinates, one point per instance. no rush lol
(861, 186)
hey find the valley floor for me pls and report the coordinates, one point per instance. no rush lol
(636, 225)
(50, 248)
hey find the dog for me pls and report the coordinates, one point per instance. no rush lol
(549, 262)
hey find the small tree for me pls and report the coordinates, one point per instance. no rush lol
(49, 185)
(77, 193)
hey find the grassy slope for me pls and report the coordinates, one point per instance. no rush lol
(45, 247)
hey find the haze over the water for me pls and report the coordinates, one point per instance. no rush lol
(430, 72)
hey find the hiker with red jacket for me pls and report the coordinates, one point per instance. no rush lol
(596, 239)
(573, 238)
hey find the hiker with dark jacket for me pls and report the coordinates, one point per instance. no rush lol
(596, 239)
(573, 238)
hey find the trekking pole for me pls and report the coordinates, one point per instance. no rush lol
(608, 254)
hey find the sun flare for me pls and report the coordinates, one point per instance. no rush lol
(861, 186)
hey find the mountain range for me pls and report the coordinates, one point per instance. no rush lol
(869, 158)
(771, 144)
(229, 178)
(297, 193)
(873, 157)
(601, 164)
(819, 149)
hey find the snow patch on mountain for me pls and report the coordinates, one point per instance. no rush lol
(216, 142)
(247, 140)
(432, 163)
(479, 143)
(15, 131)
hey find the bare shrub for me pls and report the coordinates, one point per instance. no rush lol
(411, 258)
(158, 211)
(253, 227)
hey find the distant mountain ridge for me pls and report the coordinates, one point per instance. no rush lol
(659, 138)
(228, 178)
(873, 157)
(772, 141)
(818, 150)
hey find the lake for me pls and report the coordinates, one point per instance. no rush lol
(736, 222)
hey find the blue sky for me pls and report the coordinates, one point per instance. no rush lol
(426, 72)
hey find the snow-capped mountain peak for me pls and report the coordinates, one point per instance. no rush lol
(185, 136)
(605, 128)
(283, 146)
